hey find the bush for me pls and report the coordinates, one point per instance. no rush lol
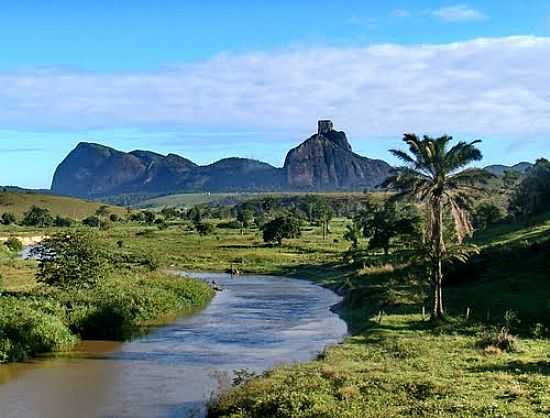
(26, 330)
(39, 217)
(72, 260)
(205, 228)
(14, 244)
(61, 222)
(8, 218)
(114, 217)
(92, 221)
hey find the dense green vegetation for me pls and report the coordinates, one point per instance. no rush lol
(82, 288)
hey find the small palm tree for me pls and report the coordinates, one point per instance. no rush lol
(434, 174)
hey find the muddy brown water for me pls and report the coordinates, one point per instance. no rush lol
(256, 323)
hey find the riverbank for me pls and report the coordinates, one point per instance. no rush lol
(37, 319)
(397, 363)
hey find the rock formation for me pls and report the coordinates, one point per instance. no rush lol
(324, 162)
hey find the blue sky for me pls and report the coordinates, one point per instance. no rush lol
(211, 79)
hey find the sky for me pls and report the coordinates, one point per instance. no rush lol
(211, 79)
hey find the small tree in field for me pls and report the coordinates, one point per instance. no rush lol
(205, 228)
(8, 218)
(434, 175)
(382, 225)
(245, 217)
(76, 260)
(281, 228)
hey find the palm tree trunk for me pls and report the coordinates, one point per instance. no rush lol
(437, 268)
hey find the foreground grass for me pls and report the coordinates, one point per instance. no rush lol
(402, 367)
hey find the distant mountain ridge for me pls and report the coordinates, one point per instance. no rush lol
(499, 170)
(324, 162)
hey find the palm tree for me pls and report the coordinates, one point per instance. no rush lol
(434, 174)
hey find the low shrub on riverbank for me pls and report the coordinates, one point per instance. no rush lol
(30, 326)
(48, 319)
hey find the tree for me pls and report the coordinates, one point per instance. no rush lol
(8, 218)
(321, 213)
(76, 260)
(532, 195)
(195, 215)
(281, 228)
(353, 234)
(384, 224)
(102, 211)
(245, 218)
(205, 228)
(434, 175)
(169, 213)
(39, 217)
(487, 214)
(149, 217)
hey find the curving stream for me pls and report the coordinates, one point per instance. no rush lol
(256, 323)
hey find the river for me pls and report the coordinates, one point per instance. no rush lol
(255, 323)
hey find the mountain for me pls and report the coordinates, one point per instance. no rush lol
(499, 170)
(325, 162)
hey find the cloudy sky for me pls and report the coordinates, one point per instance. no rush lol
(211, 79)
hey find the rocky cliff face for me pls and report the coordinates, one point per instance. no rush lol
(326, 162)
(323, 162)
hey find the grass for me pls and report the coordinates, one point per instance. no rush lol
(399, 368)
(20, 202)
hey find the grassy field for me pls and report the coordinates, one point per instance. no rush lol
(188, 200)
(19, 202)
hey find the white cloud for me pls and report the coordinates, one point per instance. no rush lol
(480, 87)
(400, 13)
(459, 13)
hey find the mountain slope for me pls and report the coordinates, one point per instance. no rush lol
(323, 162)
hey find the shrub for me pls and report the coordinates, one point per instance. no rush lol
(92, 221)
(114, 217)
(39, 217)
(14, 244)
(61, 222)
(149, 217)
(26, 330)
(498, 340)
(72, 260)
(8, 218)
(205, 228)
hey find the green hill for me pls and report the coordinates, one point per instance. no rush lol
(19, 202)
